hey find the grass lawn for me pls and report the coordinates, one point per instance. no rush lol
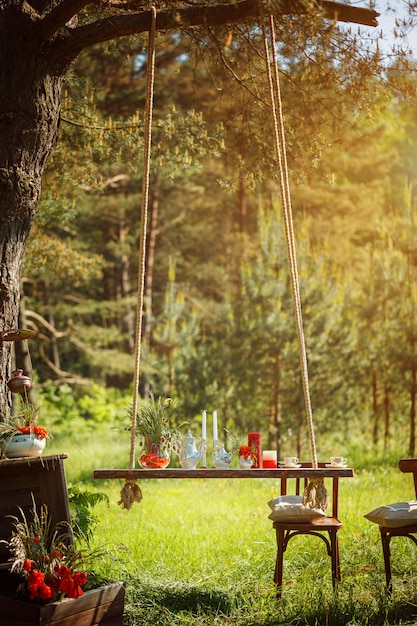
(203, 551)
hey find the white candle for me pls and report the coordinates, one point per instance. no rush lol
(215, 436)
(203, 425)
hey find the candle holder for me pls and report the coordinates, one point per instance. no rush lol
(204, 453)
(221, 458)
(215, 452)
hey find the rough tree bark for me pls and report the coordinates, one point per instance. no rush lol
(39, 39)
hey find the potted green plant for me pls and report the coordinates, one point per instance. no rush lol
(20, 434)
(160, 438)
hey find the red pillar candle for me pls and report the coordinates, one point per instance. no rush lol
(255, 442)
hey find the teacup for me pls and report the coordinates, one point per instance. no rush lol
(338, 460)
(290, 461)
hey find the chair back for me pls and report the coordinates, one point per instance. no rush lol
(409, 466)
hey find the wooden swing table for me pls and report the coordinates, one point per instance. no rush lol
(326, 528)
(281, 473)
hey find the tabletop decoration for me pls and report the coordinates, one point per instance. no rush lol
(215, 439)
(215, 431)
(269, 459)
(160, 437)
(204, 438)
(244, 453)
(255, 441)
(221, 457)
(190, 455)
(245, 457)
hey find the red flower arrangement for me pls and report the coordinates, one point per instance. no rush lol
(62, 580)
(248, 452)
(245, 451)
(38, 431)
(23, 422)
(47, 561)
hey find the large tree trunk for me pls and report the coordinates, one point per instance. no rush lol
(30, 89)
(413, 397)
(387, 416)
(375, 409)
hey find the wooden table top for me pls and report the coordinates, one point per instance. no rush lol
(278, 473)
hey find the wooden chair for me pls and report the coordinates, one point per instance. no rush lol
(326, 528)
(406, 466)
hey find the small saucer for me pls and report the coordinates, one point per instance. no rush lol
(336, 466)
(295, 466)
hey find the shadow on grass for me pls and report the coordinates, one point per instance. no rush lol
(176, 597)
(154, 603)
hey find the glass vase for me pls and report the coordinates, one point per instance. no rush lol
(154, 456)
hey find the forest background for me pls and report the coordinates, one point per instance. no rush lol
(219, 328)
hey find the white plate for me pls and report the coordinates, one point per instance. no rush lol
(290, 466)
(335, 466)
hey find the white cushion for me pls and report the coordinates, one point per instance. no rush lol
(395, 515)
(292, 509)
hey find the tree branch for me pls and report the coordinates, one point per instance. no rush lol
(39, 318)
(207, 15)
(59, 16)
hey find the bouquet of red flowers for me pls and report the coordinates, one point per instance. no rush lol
(23, 422)
(37, 431)
(49, 565)
(246, 452)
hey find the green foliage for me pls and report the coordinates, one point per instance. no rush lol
(67, 414)
(82, 503)
(156, 422)
(220, 333)
(48, 256)
(175, 331)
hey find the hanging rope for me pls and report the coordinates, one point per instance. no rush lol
(315, 493)
(131, 492)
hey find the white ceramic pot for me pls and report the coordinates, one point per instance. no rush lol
(24, 445)
(245, 463)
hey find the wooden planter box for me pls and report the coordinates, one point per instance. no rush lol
(99, 607)
(43, 479)
(23, 480)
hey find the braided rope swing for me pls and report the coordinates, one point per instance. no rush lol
(131, 492)
(315, 493)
